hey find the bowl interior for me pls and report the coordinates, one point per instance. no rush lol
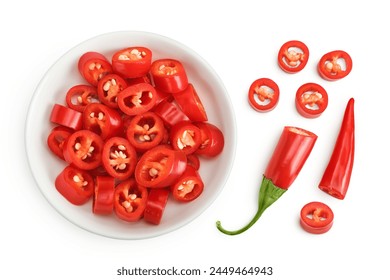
(64, 74)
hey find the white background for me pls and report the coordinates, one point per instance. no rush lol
(240, 39)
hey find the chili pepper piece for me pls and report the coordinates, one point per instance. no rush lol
(316, 217)
(289, 156)
(337, 175)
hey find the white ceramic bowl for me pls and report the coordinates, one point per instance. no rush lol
(64, 74)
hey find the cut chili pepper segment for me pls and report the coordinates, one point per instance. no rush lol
(155, 205)
(169, 75)
(186, 137)
(102, 120)
(108, 89)
(75, 185)
(316, 217)
(337, 175)
(335, 65)
(132, 62)
(311, 100)
(212, 140)
(57, 138)
(137, 99)
(130, 200)
(191, 104)
(103, 199)
(119, 158)
(189, 186)
(293, 56)
(263, 95)
(93, 66)
(66, 116)
(170, 113)
(78, 96)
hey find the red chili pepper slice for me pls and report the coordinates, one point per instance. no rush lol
(170, 113)
(137, 99)
(130, 200)
(155, 205)
(103, 120)
(132, 62)
(212, 140)
(79, 96)
(190, 103)
(67, 117)
(119, 158)
(293, 56)
(84, 149)
(103, 199)
(75, 185)
(186, 137)
(108, 89)
(57, 138)
(316, 217)
(189, 186)
(169, 75)
(263, 95)
(337, 175)
(335, 65)
(311, 100)
(290, 154)
(145, 131)
(160, 167)
(93, 66)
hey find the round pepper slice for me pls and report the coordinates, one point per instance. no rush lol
(132, 62)
(103, 199)
(79, 96)
(145, 131)
(84, 149)
(316, 217)
(311, 100)
(212, 140)
(119, 158)
(57, 138)
(169, 75)
(160, 167)
(75, 185)
(189, 186)
(102, 120)
(263, 95)
(137, 99)
(93, 66)
(66, 116)
(155, 205)
(108, 89)
(186, 137)
(130, 200)
(335, 65)
(293, 56)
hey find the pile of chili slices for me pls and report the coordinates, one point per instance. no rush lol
(131, 135)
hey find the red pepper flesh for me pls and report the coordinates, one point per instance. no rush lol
(337, 175)
(289, 156)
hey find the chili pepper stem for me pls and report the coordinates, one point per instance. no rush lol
(268, 194)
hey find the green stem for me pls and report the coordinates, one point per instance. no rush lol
(268, 194)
